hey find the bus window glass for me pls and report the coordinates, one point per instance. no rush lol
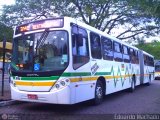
(137, 58)
(53, 52)
(40, 55)
(95, 46)
(133, 56)
(145, 59)
(107, 48)
(79, 47)
(117, 52)
(126, 56)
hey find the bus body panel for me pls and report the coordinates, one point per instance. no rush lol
(32, 85)
(84, 84)
(57, 97)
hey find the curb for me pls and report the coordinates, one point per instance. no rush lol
(6, 103)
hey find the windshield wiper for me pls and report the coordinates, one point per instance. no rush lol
(41, 39)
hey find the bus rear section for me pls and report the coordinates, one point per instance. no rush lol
(146, 67)
(157, 69)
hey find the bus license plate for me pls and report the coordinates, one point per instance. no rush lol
(32, 97)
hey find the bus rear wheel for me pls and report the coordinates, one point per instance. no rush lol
(99, 93)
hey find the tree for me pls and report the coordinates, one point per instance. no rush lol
(5, 31)
(152, 48)
(105, 15)
(151, 8)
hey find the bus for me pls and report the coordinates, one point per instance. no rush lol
(157, 69)
(65, 61)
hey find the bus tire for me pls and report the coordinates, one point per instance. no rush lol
(99, 93)
(149, 81)
(132, 88)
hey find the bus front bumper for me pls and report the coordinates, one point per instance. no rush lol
(61, 96)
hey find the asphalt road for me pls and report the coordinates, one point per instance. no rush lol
(144, 100)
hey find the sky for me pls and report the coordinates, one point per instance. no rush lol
(6, 2)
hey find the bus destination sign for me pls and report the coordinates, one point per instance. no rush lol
(51, 23)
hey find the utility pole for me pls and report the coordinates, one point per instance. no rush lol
(3, 68)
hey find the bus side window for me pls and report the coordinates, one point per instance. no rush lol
(133, 56)
(107, 48)
(117, 52)
(80, 49)
(126, 56)
(145, 59)
(137, 58)
(95, 46)
(151, 62)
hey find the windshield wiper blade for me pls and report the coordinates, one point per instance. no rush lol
(42, 39)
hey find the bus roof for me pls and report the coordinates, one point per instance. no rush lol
(148, 54)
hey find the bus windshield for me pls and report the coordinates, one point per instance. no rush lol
(40, 52)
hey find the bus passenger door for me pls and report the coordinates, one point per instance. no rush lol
(81, 64)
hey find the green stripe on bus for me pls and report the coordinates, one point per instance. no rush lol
(38, 78)
(66, 74)
(69, 74)
(103, 73)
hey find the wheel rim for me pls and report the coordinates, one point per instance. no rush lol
(99, 92)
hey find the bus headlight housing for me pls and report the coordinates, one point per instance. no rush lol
(13, 83)
(62, 83)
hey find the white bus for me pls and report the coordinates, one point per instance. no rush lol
(157, 69)
(64, 61)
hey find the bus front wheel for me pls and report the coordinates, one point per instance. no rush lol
(99, 93)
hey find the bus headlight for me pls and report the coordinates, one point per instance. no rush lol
(62, 83)
(57, 86)
(13, 83)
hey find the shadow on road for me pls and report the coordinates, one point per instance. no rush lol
(83, 106)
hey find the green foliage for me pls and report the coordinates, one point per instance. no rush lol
(149, 8)
(6, 31)
(106, 15)
(152, 48)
